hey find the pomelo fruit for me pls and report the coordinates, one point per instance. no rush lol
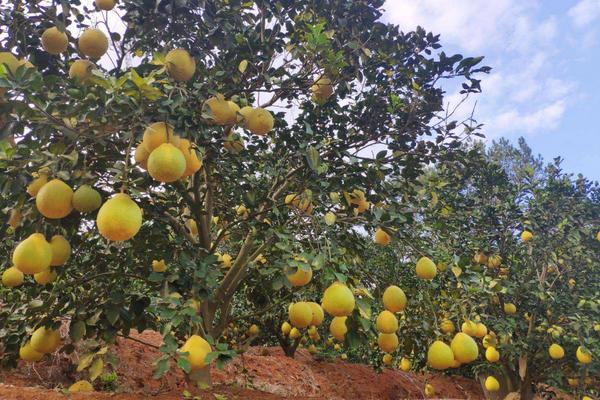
(119, 218)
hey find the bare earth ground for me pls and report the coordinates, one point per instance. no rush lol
(269, 375)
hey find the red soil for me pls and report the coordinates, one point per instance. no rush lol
(260, 373)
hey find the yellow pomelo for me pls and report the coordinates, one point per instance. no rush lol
(180, 65)
(387, 322)
(469, 327)
(45, 340)
(286, 328)
(388, 342)
(440, 355)
(86, 199)
(300, 277)
(81, 386)
(105, 5)
(526, 236)
(338, 300)
(166, 163)
(387, 359)
(330, 218)
(510, 308)
(394, 299)
(12, 63)
(338, 328)
(381, 237)
(426, 268)
(198, 349)
(35, 186)
(54, 200)
(556, 351)
(480, 330)
(491, 354)
(257, 120)
(464, 348)
(159, 266)
(158, 133)
(93, 43)
(447, 326)
(317, 313)
(233, 143)
(141, 156)
(492, 384)
(15, 218)
(221, 111)
(61, 250)
(45, 277)
(27, 353)
(583, 355)
(33, 254)
(300, 314)
(12, 277)
(494, 261)
(429, 390)
(119, 218)
(295, 333)
(322, 89)
(54, 41)
(192, 163)
(81, 70)
(489, 340)
(405, 364)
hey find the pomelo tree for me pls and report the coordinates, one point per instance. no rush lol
(149, 173)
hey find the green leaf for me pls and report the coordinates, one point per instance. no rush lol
(85, 361)
(313, 158)
(77, 330)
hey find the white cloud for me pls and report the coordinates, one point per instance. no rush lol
(527, 92)
(584, 12)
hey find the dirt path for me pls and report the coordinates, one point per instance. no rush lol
(260, 374)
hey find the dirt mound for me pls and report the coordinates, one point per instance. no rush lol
(261, 373)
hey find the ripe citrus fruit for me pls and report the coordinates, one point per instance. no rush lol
(317, 312)
(405, 364)
(257, 120)
(429, 390)
(388, 342)
(93, 43)
(491, 354)
(54, 41)
(387, 322)
(166, 163)
(159, 266)
(556, 351)
(387, 359)
(198, 349)
(27, 353)
(394, 299)
(105, 5)
(464, 348)
(54, 200)
(158, 133)
(33, 254)
(301, 277)
(480, 330)
(86, 199)
(180, 65)
(510, 308)
(447, 326)
(583, 355)
(45, 340)
(300, 314)
(440, 355)
(119, 218)
(35, 185)
(382, 238)
(338, 328)
(286, 328)
(492, 384)
(192, 163)
(526, 236)
(45, 277)
(220, 110)
(322, 89)
(338, 300)
(12, 277)
(61, 250)
(141, 156)
(426, 268)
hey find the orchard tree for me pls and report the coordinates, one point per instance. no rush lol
(516, 244)
(149, 170)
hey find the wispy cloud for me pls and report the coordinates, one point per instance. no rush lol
(528, 91)
(585, 12)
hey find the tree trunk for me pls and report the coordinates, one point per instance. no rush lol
(526, 389)
(201, 378)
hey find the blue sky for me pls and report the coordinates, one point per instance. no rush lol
(545, 56)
